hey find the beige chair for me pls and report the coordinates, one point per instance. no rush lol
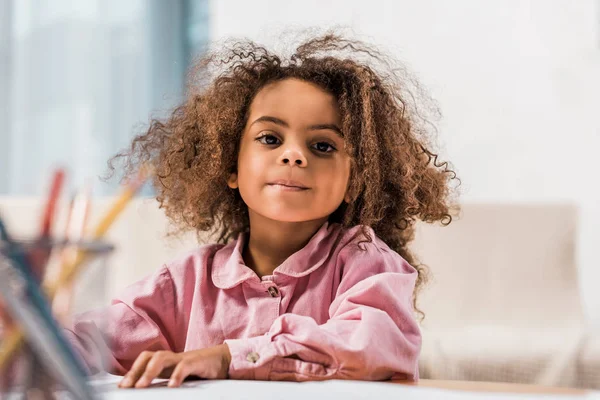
(504, 304)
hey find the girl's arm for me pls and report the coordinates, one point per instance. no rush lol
(143, 318)
(371, 335)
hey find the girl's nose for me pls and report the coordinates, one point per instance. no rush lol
(292, 157)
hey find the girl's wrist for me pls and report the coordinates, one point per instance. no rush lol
(226, 358)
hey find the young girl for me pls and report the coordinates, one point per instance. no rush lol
(313, 171)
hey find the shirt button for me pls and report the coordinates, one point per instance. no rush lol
(273, 291)
(252, 357)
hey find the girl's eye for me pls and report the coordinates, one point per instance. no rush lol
(324, 147)
(268, 139)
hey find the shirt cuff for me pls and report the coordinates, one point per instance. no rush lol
(251, 358)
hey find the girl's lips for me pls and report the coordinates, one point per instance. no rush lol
(288, 185)
(285, 188)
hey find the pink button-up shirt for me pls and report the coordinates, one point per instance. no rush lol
(342, 308)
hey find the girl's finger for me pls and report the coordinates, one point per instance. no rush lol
(137, 369)
(159, 361)
(182, 371)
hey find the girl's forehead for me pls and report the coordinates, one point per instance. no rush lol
(296, 99)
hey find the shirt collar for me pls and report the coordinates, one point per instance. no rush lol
(229, 269)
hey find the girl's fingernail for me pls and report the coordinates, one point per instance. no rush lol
(141, 382)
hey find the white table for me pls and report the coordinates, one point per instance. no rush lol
(424, 390)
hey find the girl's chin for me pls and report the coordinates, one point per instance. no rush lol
(291, 216)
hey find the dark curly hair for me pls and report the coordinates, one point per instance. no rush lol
(395, 178)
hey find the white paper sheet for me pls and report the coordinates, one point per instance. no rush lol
(335, 389)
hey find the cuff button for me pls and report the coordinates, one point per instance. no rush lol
(252, 357)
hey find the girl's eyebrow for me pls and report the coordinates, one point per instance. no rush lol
(332, 127)
(278, 121)
(267, 118)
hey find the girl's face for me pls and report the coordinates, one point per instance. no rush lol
(292, 166)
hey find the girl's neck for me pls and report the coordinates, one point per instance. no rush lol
(271, 242)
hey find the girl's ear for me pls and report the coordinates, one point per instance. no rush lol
(232, 182)
(353, 191)
(349, 197)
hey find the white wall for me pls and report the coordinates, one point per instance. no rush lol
(518, 83)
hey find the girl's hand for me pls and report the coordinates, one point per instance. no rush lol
(209, 363)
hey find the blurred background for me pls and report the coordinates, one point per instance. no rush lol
(78, 77)
(517, 81)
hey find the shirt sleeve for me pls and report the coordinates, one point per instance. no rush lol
(372, 333)
(143, 318)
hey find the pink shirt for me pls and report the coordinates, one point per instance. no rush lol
(344, 311)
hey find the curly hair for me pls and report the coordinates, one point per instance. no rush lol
(395, 178)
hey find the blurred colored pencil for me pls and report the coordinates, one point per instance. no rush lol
(75, 229)
(39, 254)
(53, 196)
(4, 235)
